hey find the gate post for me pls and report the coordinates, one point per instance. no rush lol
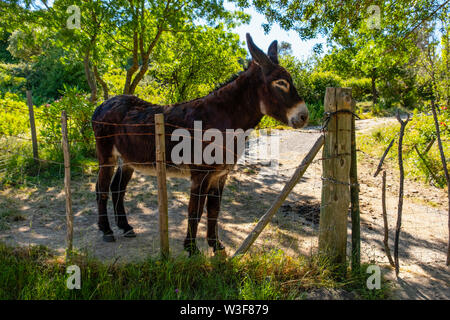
(336, 175)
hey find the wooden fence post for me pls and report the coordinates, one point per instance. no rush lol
(69, 213)
(336, 172)
(162, 187)
(354, 194)
(265, 219)
(32, 126)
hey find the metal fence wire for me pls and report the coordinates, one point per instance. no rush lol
(34, 213)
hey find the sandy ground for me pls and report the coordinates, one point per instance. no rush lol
(40, 216)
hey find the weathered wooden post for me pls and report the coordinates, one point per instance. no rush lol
(162, 187)
(354, 194)
(69, 212)
(336, 173)
(32, 126)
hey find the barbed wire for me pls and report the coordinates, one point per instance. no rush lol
(370, 250)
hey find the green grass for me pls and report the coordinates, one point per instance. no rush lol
(9, 212)
(419, 132)
(34, 273)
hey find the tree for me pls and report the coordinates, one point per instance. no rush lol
(24, 45)
(190, 65)
(119, 32)
(374, 39)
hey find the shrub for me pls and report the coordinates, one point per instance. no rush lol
(419, 132)
(52, 72)
(361, 88)
(300, 74)
(269, 122)
(79, 112)
(319, 81)
(11, 78)
(13, 115)
(315, 112)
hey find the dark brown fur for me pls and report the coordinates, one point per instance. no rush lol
(126, 124)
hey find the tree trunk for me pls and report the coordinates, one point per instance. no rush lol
(89, 76)
(131, 83)
(102, 83)
(444, 165)
(138, 46)
(374, 87)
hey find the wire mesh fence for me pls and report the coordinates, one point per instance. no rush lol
(34, 213)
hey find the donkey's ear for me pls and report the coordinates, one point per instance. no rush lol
(259, 56)
(273, 52)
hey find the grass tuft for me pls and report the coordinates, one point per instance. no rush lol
(35, 273)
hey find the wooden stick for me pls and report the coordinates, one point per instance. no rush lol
(430, 144)
(354, 195)
(400, 192)
(385, 221)
(162, 187)
(380, 164)
(447, 176)
(69, 212)
(336, 178)
(32, 126)
(265, 219)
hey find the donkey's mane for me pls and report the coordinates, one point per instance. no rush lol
(230, 79)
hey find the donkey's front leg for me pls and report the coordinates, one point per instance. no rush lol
(102, 192)
(199, 186)
(213, 208)
(118, 189)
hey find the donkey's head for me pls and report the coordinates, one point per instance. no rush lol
(278, 96)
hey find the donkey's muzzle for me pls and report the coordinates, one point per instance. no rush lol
(300, 121)
(298, 115)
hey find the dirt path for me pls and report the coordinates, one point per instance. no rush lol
(38, 216)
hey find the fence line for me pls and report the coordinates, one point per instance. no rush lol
(172, 165)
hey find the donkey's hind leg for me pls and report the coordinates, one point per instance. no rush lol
(199, 189)
(102, 191)
(213, 209)
(118, 188)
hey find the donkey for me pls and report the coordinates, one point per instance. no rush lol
(124, 127)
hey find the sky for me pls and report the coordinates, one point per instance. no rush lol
(300, 49)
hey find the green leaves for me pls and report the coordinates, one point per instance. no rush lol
(188, 66)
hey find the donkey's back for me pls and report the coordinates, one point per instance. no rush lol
(122, 113)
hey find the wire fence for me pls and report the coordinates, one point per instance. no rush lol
(34, 213)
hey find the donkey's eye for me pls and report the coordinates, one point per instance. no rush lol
(282, 84)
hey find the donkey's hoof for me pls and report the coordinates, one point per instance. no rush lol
(220, 253)
(109, 237)
(192, 250)
(129, 234)
(218, 247)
